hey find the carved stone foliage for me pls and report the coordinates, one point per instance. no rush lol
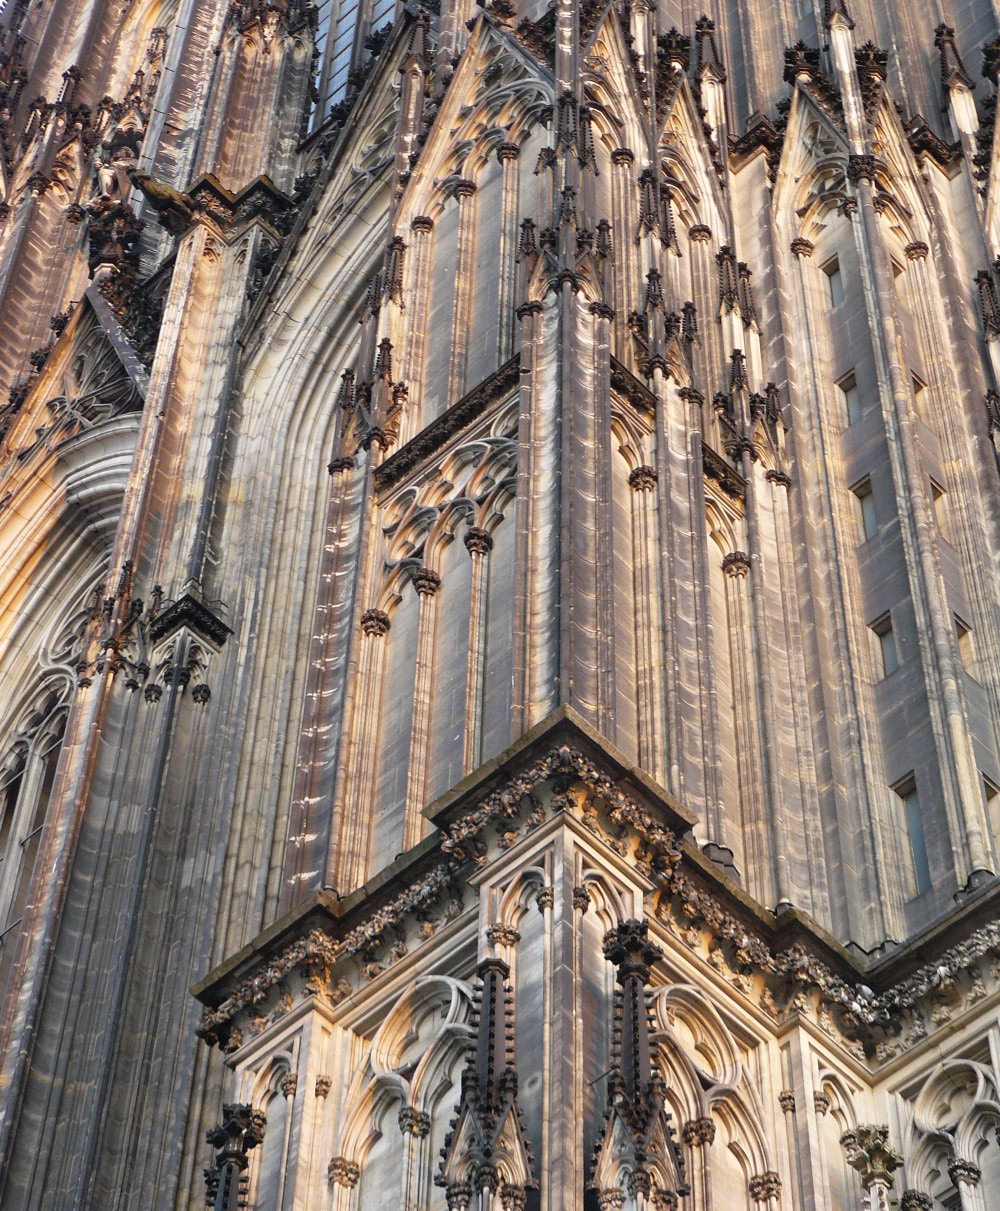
(95, 387)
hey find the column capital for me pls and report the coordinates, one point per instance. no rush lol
(508, 151)
(764, 1186)
(478, 541)
(802, 247)
(786, 1100)
(422, 222)
(869, 1152)
(375, 622)
(642, 479)
(698, 1131)
(342, 1172)
(964, 1173)
(700, 233)
(736, 563)
(426, 581)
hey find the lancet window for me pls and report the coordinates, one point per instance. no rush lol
(27, 775)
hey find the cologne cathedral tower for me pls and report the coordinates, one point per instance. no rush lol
(499, 605)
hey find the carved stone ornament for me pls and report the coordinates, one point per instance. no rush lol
(241, 1130)
(414, 1122)
(764, 1186)
(488, 1120)
(801, 247)
(697, 1132)
(323, 1085)
(786, 1100)
(289, 1083)
(636, 1124)
(342, 1172)
(915, 1200)
(964, 1173)
(869, 1153)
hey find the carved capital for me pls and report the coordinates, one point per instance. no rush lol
(505, 935)
(821, 1102)
(622, 155)
(764, 1186)
(736, 563)
(288, 1084)
(861, 168)
(778, 477)
(342, 1172)
(465, 188)
(698, 1131)
(426, 581)
(916, 251)
(478, 541)
(915, 1200)
(458, 1196)
(544, 899)
(610, 1200)
(375, 622)
(414, 1122)
(964, 1173)
(581, 899)
(786, 1100)
(508, 151)
(802, 247)
(323, 1085)
(422, 222)
(869, 1153)
(642, 479)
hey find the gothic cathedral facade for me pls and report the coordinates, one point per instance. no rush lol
(499, 605)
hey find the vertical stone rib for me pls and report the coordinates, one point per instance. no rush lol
(414, 368)
(355, 839)
(426, 582)
(749, 754)
(649, 670)
(507, 154)
(465, 191)
(479, 543)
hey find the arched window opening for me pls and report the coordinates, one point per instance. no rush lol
(25, 790)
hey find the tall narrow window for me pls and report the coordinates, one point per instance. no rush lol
(940, 505)
(864, 509)
(991, 801)
(24, 802)
(919, 873)
(834, 282)
(963, 637)
(850, 400)
(884, 646)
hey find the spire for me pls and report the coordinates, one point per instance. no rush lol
(487, 1147)
(636, 1145)
(952, 68)
(242, 1128)
(834, 9)
(709, 61)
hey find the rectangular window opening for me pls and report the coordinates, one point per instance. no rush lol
(864, 509)
(850, 400)
(834, 282)
(884, 646)
(939, 504)
(912, 821)
(966, 652)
